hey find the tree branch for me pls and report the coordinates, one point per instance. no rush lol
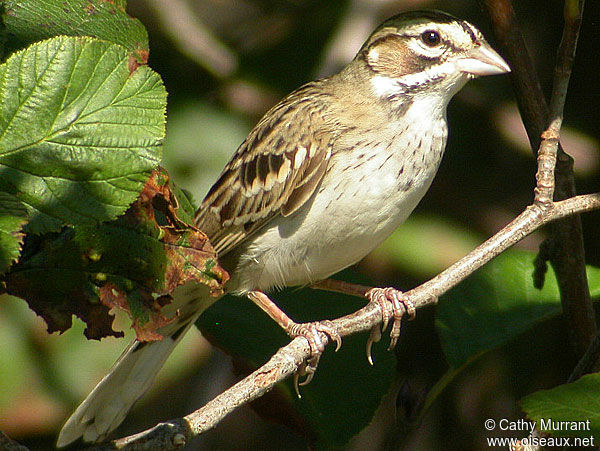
(567, 252)
(288, 360)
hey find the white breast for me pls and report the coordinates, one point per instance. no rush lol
(369, 190)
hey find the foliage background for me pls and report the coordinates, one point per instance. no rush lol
(224, 62)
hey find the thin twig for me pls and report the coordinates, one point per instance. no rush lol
(531, 219)
(544, 192)
(287, 361)
(568, 255)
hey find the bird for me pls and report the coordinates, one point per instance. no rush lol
(325, 176)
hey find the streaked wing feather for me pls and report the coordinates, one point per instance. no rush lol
(274, 171)
(305, 187)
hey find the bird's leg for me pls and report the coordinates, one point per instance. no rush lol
(311, 331)
(339, 286)
(393, 305)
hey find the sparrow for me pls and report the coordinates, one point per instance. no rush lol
(323, 178)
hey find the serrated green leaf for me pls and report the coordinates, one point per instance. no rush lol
(569, 410)
(28, 21)
(13, 215)
(496, 304)
(79, 131)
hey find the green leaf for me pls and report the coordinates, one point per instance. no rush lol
(346, 390)
(496, 304)
(79, 130)
(13, 216)
(28, 21)
(576, 404)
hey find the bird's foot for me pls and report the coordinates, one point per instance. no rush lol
(313, 332)
(393, 305)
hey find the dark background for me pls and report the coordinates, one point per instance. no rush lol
(224, 62)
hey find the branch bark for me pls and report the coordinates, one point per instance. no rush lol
(288, 360)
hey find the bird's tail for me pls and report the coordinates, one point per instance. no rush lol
(133, 373)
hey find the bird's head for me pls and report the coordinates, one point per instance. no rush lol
(427, 52)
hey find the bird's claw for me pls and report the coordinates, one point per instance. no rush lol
(374, 337)
(307, 369)
(313, 334)
(393, 305)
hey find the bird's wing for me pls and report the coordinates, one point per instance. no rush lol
(274, 171)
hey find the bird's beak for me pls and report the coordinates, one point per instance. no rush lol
(482, 60)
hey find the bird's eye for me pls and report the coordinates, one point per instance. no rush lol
(431, 38)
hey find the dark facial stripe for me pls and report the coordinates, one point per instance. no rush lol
(468, 30)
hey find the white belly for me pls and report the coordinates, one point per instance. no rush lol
(349, 216)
